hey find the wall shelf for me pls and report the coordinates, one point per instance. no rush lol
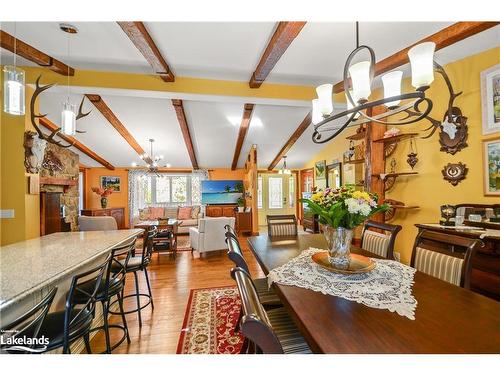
(357, 136)
(390, 178)
(395, 138)
(355, 161)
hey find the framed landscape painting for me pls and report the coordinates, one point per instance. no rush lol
(320, 170)
(490, 99)
(491, 168)
(111, 181)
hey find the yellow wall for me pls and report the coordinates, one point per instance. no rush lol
(120, 199)
(428, 189)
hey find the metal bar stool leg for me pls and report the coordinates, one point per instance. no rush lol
(122, 312)
(138, 298)
(106, 326)
(149, 288)
(86, 339)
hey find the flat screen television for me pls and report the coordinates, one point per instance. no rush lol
(221, 191)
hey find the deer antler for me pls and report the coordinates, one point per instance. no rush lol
(50, 137)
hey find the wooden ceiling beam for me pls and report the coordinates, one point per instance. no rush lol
(443, 38)
(76, 143)
(245, 124)
(32, 54)
(291, 141)
(139, 35)
(109, 115)
(181, 117)
(284, 35)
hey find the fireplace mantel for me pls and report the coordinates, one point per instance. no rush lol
(66, 183)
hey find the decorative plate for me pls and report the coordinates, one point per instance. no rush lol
(358, 264)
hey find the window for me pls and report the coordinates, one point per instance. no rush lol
(168, 190)
(291, 191)
(259, 192)
(275, 192)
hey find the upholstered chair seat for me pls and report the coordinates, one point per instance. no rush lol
(91, 223)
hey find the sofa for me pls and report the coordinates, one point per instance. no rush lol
(189, 215)
(210, 234)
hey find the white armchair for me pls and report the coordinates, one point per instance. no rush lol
(210, 234)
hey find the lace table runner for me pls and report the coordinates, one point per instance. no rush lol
(387, 286)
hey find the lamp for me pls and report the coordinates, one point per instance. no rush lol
(350, 106)
(422, 64)
(13, 90)
(284, 170)
(152, 161)
(325, 102)
(392, 87)
(68, 118)
(316, 114)
(361, 83)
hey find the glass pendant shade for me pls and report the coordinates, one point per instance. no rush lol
(68, 119)
(13, 90)
(392, 86)
(361, 84)
(316, 114)
(422, 64)
(325, 98)
(350, 106)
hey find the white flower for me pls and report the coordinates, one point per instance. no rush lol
(365, 209)
(352, 205)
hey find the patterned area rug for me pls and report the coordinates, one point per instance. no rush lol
(183, 243)
(208, 327)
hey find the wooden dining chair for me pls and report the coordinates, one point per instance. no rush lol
(379, 242)
(438, 254)
(268, 332)
(267, 295)
(281, 225)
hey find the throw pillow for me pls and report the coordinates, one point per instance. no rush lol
(184, 213)
(144, 214)
(156, 212)
(171, 212)
(195, 212)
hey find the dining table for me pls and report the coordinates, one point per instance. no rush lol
(448, 318)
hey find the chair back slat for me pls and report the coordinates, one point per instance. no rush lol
(119, 259)
(432, 255)
(254, 323)
(27, 324)
(282, 225)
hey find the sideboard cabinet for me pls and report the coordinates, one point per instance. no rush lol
(117, 212)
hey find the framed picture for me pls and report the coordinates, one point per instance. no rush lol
(491, 166)
(320, 170)
(490, 99)
(111, 181)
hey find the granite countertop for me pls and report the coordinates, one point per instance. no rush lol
(30, 265)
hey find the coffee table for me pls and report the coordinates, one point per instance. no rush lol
(172, 225)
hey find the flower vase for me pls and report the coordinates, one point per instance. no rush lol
(104, 202)
(339, 246)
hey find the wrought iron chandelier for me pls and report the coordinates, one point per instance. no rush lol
(358, 79)
(284, 170)
(152, 161)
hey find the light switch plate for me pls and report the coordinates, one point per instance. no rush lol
(6, 214)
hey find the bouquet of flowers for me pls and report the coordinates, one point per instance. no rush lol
(344, 207)
(103, 193)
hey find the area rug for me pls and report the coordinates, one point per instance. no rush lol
(211, 316)
(183, 243)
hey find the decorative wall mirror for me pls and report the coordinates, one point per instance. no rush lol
(334, 175)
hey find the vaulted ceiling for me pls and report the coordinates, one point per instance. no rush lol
(216, 50)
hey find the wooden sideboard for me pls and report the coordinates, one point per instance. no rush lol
(117, 212)
(243, 219)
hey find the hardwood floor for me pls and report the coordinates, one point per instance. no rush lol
(171, 281)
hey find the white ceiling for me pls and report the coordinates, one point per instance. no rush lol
(214, 50)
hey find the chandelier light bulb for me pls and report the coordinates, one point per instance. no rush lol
(361, 84)
(68, 118)
(325, 98)
(316, 113)
(422, 64)
(392, 86)
(155, 164)
(13, 90)
(168, 165)
(134, 164)
(148, 165)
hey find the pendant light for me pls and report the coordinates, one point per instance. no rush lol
(14, 85)
(285, 170)
(392, 87)
(68, 114)
(422, 64)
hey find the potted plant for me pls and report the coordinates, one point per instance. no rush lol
(103, 193)
(340, 211)
(241, 204)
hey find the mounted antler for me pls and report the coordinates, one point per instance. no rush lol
(50, 137)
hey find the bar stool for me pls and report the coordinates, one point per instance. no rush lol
(135, 264)
(112, 285)
(28, 326)
(66, 326)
